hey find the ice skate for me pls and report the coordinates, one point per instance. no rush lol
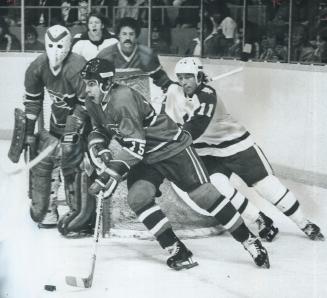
(257, 251)
(266, 228)
(313, 231)
(181, 257)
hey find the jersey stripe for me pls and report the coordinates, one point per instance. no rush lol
(264, 160)
(197, 166)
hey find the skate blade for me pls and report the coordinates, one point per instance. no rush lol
(266, 264)
(186, 266)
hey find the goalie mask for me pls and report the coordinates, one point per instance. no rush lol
(57, 46)
(190, 65)
(101, 72)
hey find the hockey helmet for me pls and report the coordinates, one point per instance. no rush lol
(57, 46)
(189, 65)
(98, 69)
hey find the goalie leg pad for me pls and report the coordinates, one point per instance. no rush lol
(72, 153)
(40, 178)
(40, 189)
(81, 216)
(18, 137)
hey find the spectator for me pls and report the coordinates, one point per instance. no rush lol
(270, 49)
(321, 51)
(158, 42)
(68, 17)
(8, 41)
(129, 8)
(301, 49)
(40, 16)
(187, 17)
(31, 41)
(90, 43)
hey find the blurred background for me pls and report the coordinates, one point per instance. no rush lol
(260, 30)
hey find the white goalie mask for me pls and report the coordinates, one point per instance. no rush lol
(57, 46)
(189, 65)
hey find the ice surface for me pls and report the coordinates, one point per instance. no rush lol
(131, 268)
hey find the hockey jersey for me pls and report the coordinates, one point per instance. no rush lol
(65, 90)
(143, 60)
(143, 135)
(213, 129)
(89, 49)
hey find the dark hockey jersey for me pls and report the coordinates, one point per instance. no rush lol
(142, 133)
(65, 90)
(143, 60)
(204, 116)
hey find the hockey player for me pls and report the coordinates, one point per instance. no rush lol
(128, 55)
(226, 146)
(57, 71)
(153, 148)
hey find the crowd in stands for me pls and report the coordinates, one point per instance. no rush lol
(219, 32)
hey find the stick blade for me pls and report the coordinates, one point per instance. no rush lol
(78, 282)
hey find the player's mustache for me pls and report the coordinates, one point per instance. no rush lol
(128, 41)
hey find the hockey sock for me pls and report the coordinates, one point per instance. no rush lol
(246, 208)
(241, 233)
(157, 223)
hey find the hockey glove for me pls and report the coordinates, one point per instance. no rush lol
(105, 183)
(100, 156)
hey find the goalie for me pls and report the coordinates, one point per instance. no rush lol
(57, 72)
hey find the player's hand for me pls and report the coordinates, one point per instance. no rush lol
(100, 156)
(104, 183)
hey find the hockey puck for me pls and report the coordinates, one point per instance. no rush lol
(50, 287)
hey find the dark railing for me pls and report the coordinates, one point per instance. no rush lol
(266, 30)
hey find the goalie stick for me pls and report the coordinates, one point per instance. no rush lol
(86, 282)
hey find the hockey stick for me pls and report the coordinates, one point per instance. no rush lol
(86, 282)
(226, 74)
(30, 164)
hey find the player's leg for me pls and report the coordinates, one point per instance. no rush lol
(206, 196)
(219, 177)
(254, 168)
(143, 186)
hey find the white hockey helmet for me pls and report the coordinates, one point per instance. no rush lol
(57, 45)
(189, 65)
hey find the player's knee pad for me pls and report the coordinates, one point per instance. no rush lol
(205, 195)
(270, 188)
(141, 194)
(82, 207)
(222, 183)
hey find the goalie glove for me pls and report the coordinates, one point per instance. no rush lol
(106, 183)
